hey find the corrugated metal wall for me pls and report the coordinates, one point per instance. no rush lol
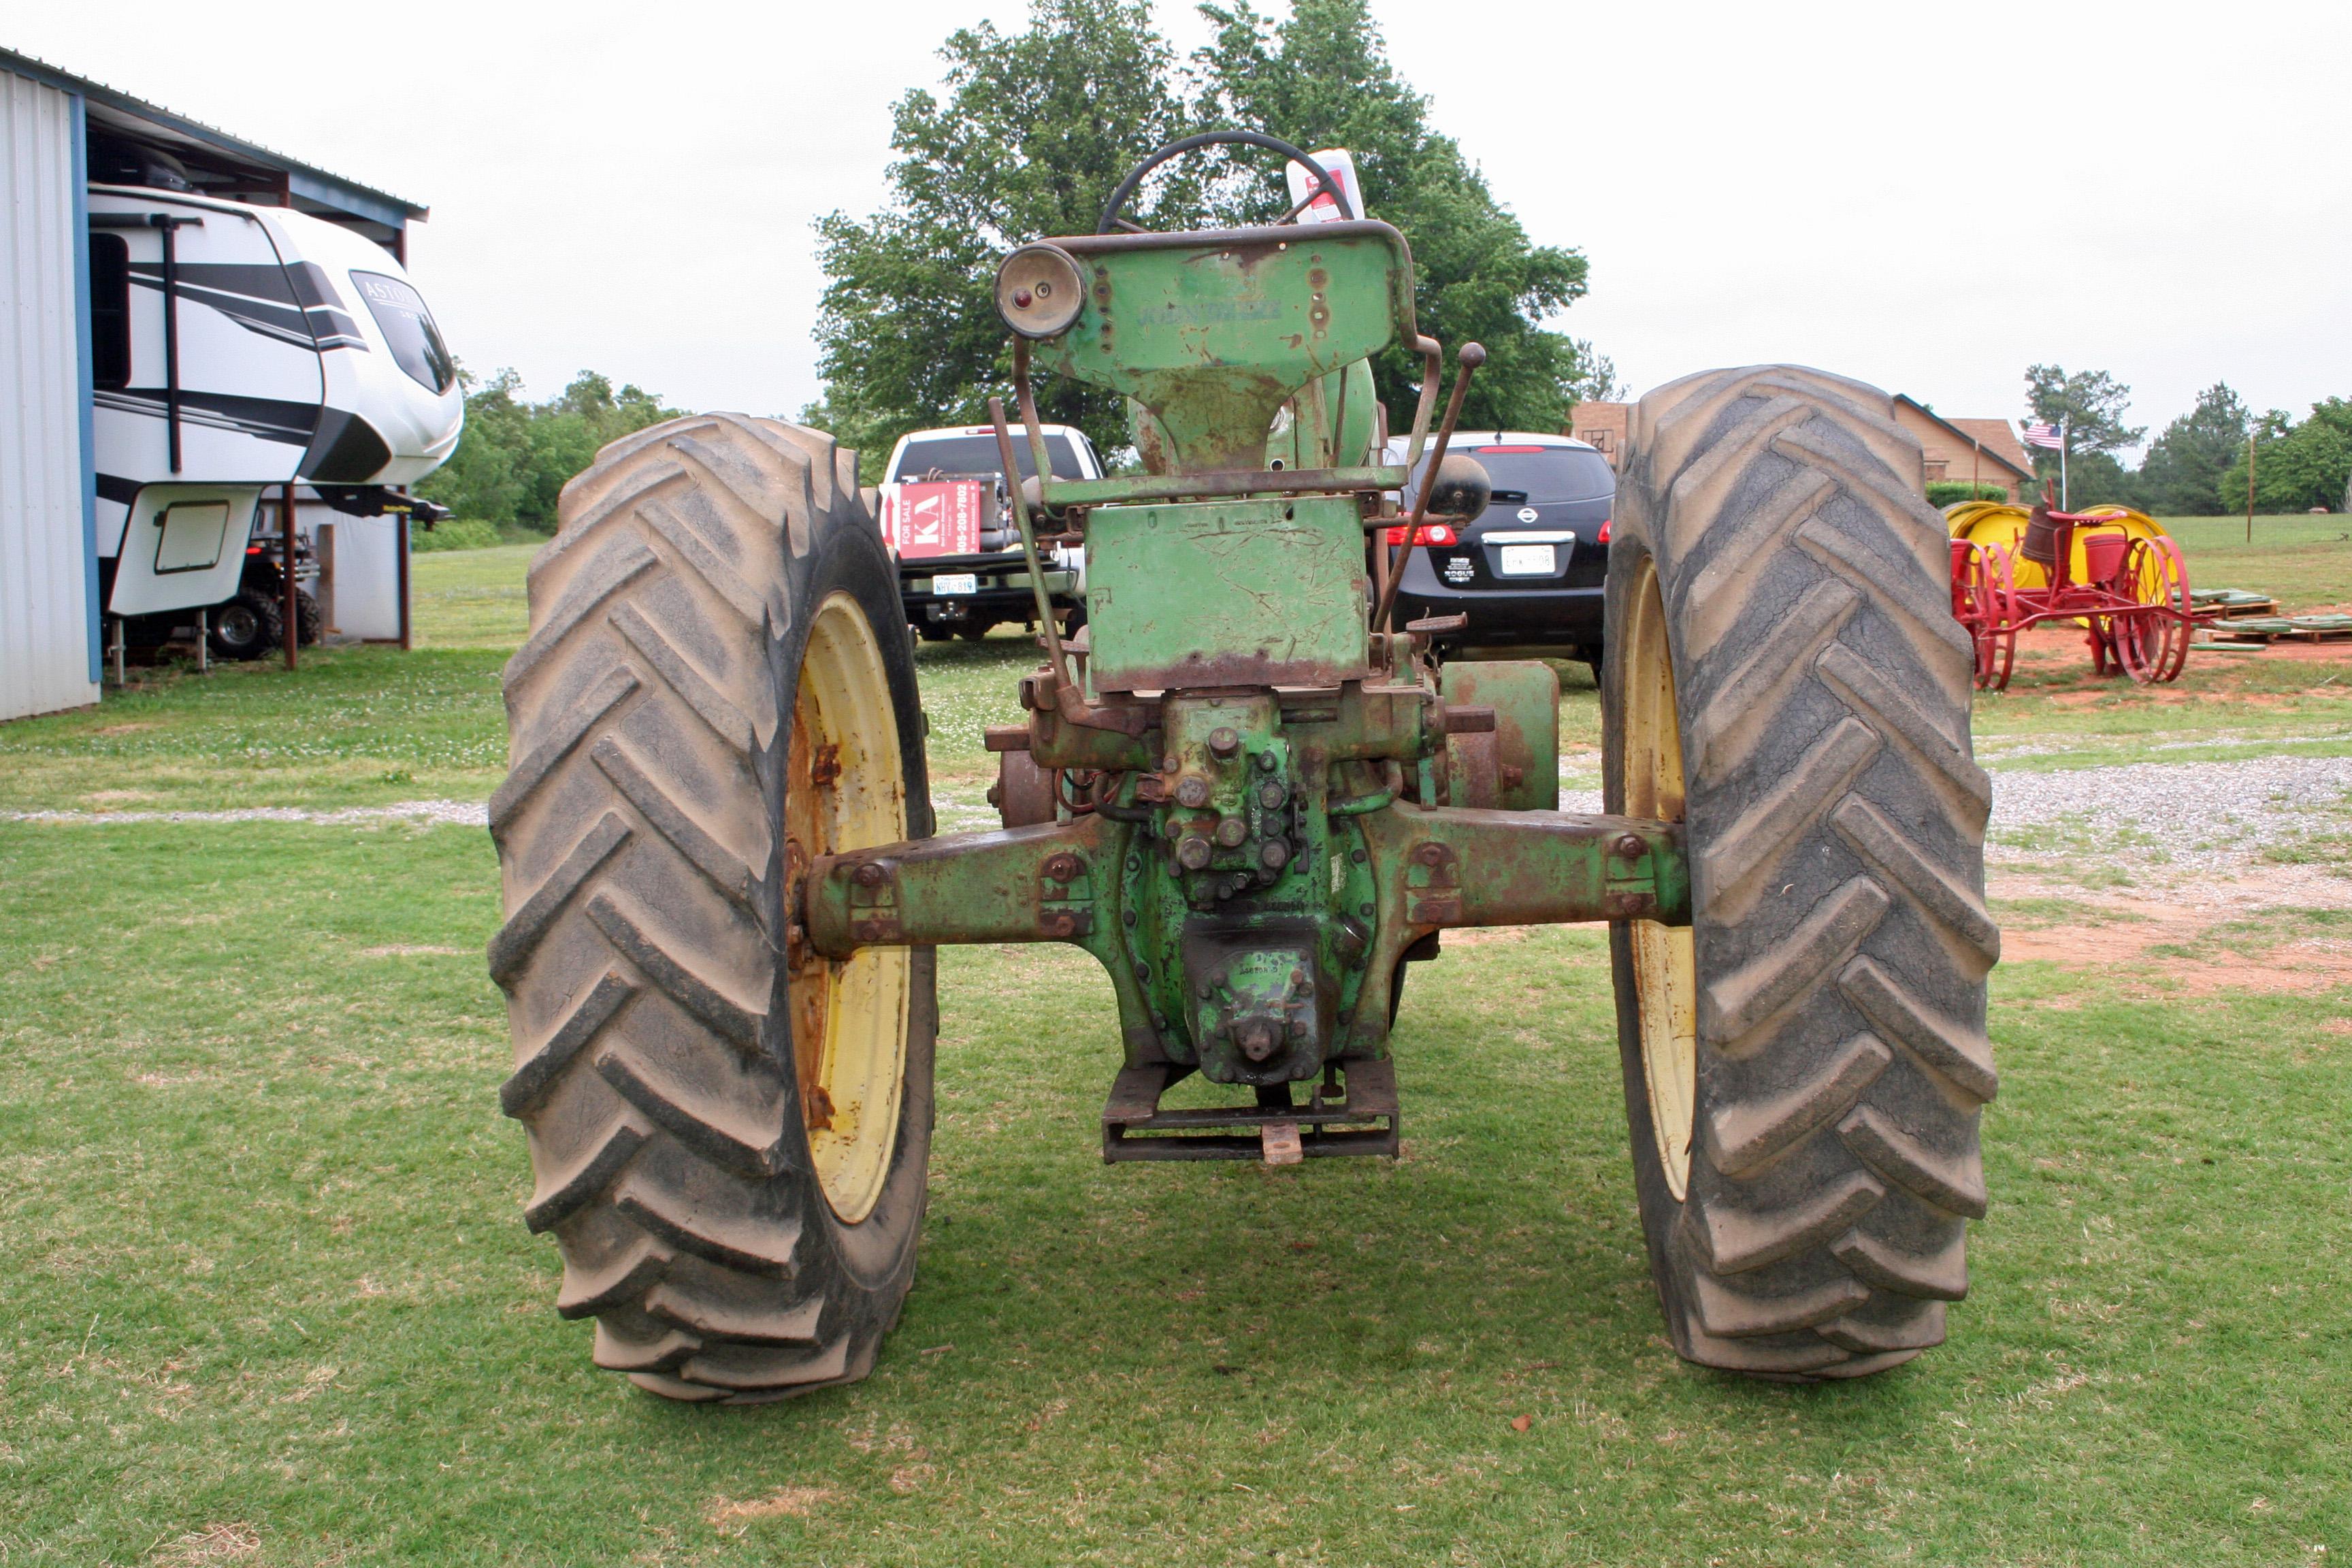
(46, 636)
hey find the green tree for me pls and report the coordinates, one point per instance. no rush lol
(2296, 467)
(515, 458)
(1321, 77)
(2098, 478)
(1037, 127)
(2185, 464)
(2091, 403)
(483, 478)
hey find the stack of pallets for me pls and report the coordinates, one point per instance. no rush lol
(2231, 603)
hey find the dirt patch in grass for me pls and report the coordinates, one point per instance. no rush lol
(1479, 936)
(733, 1518)
(2285, 931)
(214, 1543)
(2299, 652)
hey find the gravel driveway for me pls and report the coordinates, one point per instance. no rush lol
(2192, 815)
(2195, 815)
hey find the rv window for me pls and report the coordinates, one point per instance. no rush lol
(110, 312)
(408, 327)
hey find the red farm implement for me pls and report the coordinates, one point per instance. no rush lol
(2115, 572)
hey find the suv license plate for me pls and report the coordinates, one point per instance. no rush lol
(962, 582)
(1527, 561)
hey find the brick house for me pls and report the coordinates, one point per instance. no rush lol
(1601, 424)
(1957, 451)
(1961, 451)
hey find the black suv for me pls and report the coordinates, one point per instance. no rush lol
(1528, 570)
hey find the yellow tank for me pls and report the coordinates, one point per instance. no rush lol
(2002, 523)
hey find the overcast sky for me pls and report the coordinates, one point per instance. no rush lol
(1929, 198)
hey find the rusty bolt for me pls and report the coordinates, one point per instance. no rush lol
(1167, 764)
(1257, 1040)
(869, 931)
(1064, 867)
(1193, 790)
(1057, 922)
(1193, 853)
(1268, 761)
(1270, 794)
(1431, 854)
(871, 875)
(1631, 847)
(1274, 855)
(1232, 831)
(1224, 742)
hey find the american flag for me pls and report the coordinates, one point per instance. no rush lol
(2039, 434)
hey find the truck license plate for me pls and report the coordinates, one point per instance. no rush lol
(1527, 561)
(955, 583)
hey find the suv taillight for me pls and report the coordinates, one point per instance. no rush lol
(1428, 533)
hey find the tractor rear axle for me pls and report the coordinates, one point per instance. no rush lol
(1271, 982)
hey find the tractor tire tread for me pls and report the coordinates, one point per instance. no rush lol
(640, 957)
(1835, 819)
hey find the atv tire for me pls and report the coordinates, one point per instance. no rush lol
(251, 625)
(308, 623)
(730, 1132)
(1805, 1064)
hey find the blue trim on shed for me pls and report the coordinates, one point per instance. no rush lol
(347, 198)
(85, 389)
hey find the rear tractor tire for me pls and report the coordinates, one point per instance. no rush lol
(730, 1132)
(1805, 1064)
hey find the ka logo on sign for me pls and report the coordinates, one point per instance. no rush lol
(930, 523)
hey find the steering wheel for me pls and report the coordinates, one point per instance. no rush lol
(1323, 182)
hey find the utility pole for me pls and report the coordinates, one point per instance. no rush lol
(2250, 486)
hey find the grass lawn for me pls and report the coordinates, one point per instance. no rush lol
(2304, 561)
(272, 1301)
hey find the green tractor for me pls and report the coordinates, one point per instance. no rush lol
(1256, 802)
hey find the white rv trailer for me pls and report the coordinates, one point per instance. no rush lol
(236, 348)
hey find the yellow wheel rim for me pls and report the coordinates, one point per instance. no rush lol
(1664, 971)
(844, 789)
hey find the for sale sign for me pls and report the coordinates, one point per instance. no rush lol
(937, 517)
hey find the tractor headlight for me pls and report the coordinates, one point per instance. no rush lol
(1039, 290)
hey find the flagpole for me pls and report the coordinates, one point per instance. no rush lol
(2065, 501)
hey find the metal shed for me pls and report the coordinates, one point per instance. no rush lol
(49, 122)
